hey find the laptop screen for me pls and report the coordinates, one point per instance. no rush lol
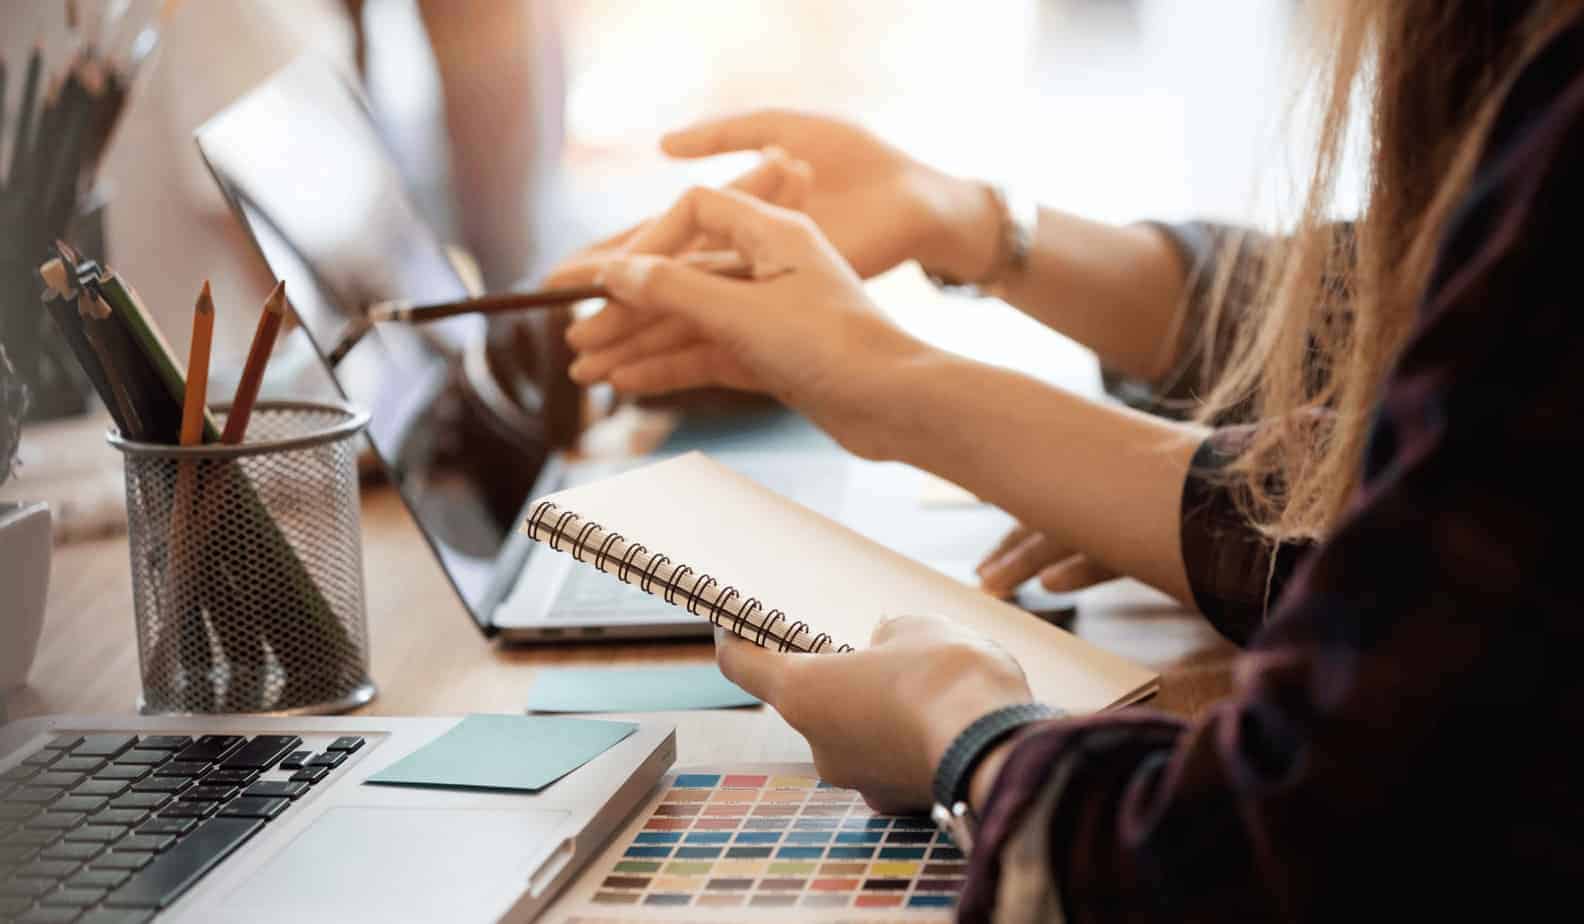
(303, 165)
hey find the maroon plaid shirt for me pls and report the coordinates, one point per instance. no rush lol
(1399, 741)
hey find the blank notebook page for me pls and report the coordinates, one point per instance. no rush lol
(706, 516)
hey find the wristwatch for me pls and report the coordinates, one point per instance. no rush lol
(1019, 217)
(951, 812)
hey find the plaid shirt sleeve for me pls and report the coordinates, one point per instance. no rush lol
(1396, 748)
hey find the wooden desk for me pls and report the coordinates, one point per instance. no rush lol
(429, 659)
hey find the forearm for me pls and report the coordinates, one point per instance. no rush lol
(1117, 289)
(1095, 477)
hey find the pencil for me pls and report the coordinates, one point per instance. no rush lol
(253, 372)
(198, 369)
(729, 266)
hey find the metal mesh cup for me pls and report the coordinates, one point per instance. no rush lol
(247, 567)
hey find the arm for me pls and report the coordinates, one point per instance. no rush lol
(1421, 630)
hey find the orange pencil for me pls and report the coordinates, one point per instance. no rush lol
(253, 372)
(198, 369)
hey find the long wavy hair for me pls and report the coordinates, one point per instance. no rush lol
(1340, 299)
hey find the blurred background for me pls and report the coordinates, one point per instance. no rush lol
(526, 128)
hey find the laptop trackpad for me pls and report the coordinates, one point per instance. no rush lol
(400, 864)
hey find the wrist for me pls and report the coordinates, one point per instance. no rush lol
(964, 223)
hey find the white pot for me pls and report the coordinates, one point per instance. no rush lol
(24, 583)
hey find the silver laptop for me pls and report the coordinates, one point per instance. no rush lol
(217, 819)
(302, 164)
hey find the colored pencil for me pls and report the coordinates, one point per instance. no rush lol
(253, 371)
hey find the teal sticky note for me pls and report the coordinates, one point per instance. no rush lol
(505, 752)
(634, 689)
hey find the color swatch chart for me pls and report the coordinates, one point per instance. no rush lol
(746, 844)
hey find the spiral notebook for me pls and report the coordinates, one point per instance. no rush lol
(728, 550)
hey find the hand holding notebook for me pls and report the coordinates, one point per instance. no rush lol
(709, 540)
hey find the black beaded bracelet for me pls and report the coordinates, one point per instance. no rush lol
(974, 742)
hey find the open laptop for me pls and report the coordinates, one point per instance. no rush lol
(114, 820)
(302, 163)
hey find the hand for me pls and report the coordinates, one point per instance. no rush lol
(877, 205)
(880, 720)
(804, 331)
(1027, 552)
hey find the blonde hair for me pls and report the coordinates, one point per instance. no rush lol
(1339, 302)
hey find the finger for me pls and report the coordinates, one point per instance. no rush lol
(580, 268)
(1075, 573)
(762, 233)
(613, 323)
(744, 132)
(1011, 540)
(759, 671)
(1023, 562)
(663, 336)
(696, 366)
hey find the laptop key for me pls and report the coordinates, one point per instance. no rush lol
(309, 774)
(29, 888)
(80, 804)
(54, 870)
(183, 768)
(128, 772)
(253, 807)
(329, 759)
(96, 834)
(50, 916)
(64, 743)
(147, 801)
(163, 742)
(231, 777)
(68, 850)
(55, 779)
(19, 774)
(208, 794)
(75, 764)
(162, 784)
(295, 760)
(262, 753)
(31, 837)
(103, 745)
(143, 757)
(145, 843)
(35, 795)
(172, 826)
(210, 748)
(276, 789)
(56, 821)
(41, 758)
(174, 872)
(73, 898)
(348, 743)
(106, 788)
(190, 810)
(122, 860)
(125, 817)
(98, 878)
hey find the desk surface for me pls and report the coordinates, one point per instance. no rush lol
(429, 658)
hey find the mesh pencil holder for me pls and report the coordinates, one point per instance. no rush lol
(247, 567)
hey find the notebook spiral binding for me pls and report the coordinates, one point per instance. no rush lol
(677, 584)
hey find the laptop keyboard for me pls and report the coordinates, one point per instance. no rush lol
(109, 829)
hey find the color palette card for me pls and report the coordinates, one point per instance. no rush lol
(767, 842)
(634, 689)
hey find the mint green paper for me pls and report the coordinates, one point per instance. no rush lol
(516, 752)
(638, 689)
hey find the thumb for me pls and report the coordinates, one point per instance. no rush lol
(757, 670)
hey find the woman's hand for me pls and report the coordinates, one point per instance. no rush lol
(1027, 552)
(804, 331)
(879, 720)
(877, 205)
